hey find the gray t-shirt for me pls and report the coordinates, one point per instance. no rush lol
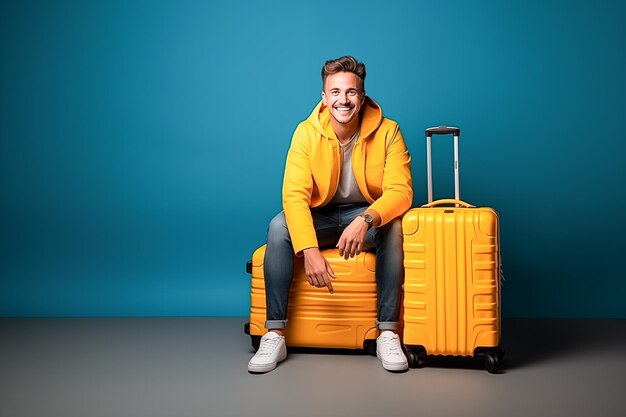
(348, 190)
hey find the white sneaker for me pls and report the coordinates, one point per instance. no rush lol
(272, 350)
(389, 351)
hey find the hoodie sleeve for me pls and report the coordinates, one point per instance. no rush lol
(397, 187)
(297, 191)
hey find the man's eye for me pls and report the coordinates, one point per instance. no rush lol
(334, 93)
(352, 93)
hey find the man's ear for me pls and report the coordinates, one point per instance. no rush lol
(323, 98)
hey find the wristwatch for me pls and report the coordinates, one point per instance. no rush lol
(369, 220)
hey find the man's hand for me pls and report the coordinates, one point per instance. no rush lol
(353, 238)
(318, 270)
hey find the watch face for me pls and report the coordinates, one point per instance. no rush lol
(368, 218)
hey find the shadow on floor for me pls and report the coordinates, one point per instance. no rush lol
(526, 342)
(533, 341)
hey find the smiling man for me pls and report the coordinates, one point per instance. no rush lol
(347, 184)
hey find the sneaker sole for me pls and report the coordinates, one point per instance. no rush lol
(395, 367)
(261, 369)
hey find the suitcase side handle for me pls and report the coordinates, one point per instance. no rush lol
(458, 203)
(442, 130)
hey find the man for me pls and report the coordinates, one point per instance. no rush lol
(347, 183)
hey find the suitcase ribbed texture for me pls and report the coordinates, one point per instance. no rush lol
(316, 318)
(451, 290)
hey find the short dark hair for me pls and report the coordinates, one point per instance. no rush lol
(344, 64)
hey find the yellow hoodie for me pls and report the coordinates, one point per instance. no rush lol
(380, 161)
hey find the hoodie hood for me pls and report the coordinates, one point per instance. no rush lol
(371, 116)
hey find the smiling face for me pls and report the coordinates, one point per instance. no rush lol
(343, 95)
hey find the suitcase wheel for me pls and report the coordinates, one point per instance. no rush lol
(369, 346)
(492, 362)
(493, 359)
(256, 342)
(500, 352)
(416, 358)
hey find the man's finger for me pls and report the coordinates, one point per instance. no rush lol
(351, 251)
(347, 250)
(341, 246)
(320, 282)
(355, 249)
(330, 271)
(330, 286)
(324, 279)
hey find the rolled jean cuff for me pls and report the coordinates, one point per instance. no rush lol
(388, 325)
(275, 324)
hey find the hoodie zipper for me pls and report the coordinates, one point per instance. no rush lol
(340, 159)
(365, 194)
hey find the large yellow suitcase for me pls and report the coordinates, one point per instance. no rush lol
(344, 319)
(452, 276)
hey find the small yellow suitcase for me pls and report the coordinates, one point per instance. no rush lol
(452, 276)
(345, 319)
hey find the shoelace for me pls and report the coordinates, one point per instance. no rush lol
(391, 345)
(267, 347)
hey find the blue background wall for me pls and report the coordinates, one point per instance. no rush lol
(142, 143)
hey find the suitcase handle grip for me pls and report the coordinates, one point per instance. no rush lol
(443, 130)
(459, 203)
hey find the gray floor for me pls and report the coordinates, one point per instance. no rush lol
(197, 367)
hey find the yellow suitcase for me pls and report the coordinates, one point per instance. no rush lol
(345, 319)
(452, 281)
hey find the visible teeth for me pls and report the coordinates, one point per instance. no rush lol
(343, 108)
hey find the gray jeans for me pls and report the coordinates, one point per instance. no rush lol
(329, 223)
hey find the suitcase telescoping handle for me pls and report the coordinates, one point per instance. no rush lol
(442, 130)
